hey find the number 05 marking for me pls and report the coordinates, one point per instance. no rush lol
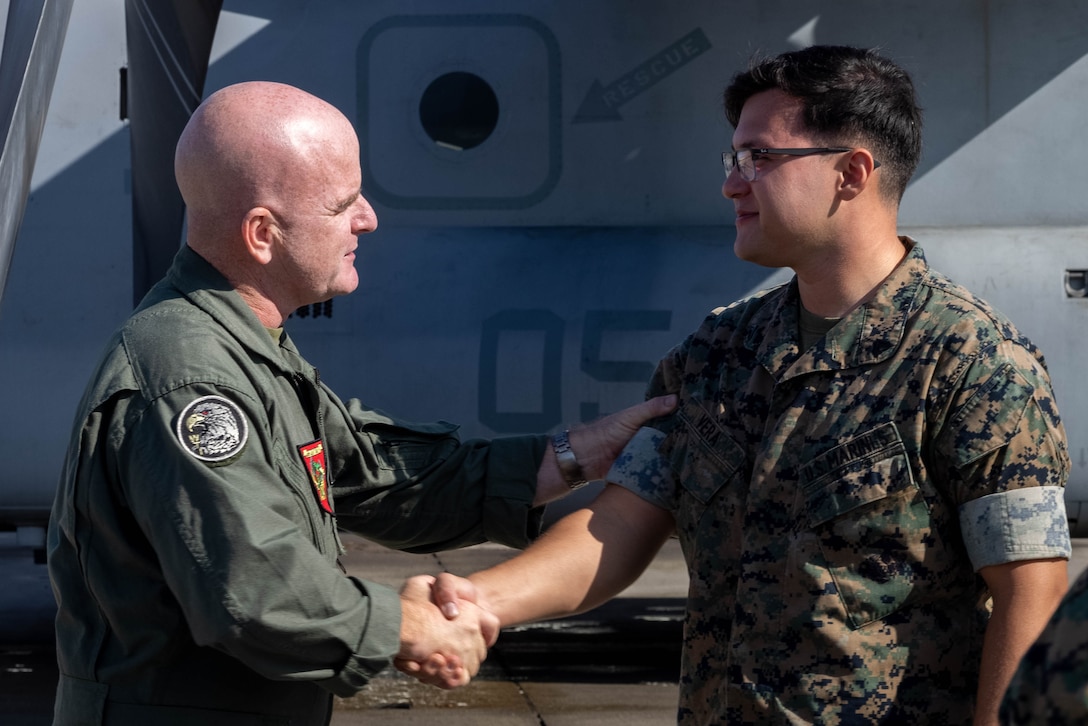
(592, 362)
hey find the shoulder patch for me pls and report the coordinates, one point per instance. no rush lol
(212, 428)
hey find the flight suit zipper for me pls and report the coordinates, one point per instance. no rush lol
(310, 391)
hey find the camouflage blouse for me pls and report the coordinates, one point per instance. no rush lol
(835, 504)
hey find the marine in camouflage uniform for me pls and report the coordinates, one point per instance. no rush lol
(1051, 685)
(866, 468)
(835, 503)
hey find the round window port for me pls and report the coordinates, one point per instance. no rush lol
(459, 110)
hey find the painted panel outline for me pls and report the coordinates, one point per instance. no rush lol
(435, 202)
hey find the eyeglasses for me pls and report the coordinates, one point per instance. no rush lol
(745, 159)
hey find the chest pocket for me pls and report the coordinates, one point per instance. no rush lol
(871, 521)
(703, 460)
(701, 454)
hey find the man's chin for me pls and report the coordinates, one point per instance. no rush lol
(746, 250)
(345, 287)
(750, 253)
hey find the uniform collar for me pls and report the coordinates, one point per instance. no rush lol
(868, 334)
(205, 287)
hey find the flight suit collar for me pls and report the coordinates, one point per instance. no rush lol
(205, 287)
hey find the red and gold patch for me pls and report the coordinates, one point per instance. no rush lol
(313, 458)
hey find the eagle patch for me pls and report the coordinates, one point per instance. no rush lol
(212, 429)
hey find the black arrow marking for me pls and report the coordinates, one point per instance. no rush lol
(601, 102)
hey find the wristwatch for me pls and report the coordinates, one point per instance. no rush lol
(568, 462)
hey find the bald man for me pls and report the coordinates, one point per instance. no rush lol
(193, 544)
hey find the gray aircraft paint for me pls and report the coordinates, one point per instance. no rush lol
(531, 281)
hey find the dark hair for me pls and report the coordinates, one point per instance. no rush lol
(849, 95)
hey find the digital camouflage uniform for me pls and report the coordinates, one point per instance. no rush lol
(193, 547)
(834, 505)
(1051, 685)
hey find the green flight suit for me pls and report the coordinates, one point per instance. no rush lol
(193, 546)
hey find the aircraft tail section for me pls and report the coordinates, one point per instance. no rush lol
(33, 39)
(169, 44)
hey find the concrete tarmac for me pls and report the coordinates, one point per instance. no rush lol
(617, 664)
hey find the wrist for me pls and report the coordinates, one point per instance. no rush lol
(410, 636)
(494, 589)
(567, 461)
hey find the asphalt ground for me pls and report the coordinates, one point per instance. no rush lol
(617, 664)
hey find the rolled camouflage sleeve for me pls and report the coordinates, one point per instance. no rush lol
(641, 469)
(1023, 524)
(1009, 462)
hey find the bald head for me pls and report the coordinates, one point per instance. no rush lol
(250, 145)
(270, 176)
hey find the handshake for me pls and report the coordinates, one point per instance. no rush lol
(586, 558)
(445, 631)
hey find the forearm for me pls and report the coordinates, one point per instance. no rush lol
(1000, 654)
(582, 561)
(552, 578)
(1025, 594)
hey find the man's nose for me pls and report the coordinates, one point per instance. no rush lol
(735, 185)
(367, 219)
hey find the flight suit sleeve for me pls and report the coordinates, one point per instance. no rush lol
(235, 534)
(418, 488)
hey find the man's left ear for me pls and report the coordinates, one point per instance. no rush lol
(259, 233)
(858, 172)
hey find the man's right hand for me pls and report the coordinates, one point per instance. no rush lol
(448, 652)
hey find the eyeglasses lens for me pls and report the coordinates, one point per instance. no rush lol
(743, 159)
